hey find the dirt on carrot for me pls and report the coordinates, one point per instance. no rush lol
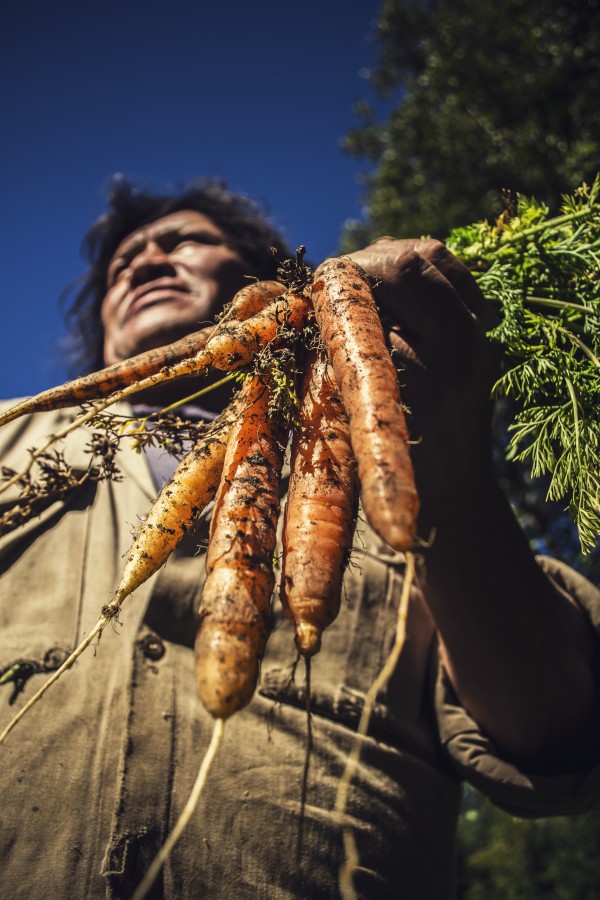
(249, 301)
(191, 488)
(368, 382)
(235, 608)
(321, 507)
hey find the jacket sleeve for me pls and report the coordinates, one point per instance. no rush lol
(473, 754)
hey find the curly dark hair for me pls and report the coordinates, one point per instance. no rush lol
(242, 220)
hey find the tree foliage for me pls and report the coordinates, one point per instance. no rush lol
(516, 859)
(487, 96)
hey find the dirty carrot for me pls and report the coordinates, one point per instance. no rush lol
(353, 336)
(235, 605)
(112, 378)
(231, 346)
(252, 298)
(235, 343)
(321, 507)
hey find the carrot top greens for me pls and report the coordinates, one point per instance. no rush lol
(544, 274)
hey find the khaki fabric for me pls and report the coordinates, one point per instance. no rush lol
(96, 775)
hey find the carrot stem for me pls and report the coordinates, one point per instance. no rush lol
(201, 393)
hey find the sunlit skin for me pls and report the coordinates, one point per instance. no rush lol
(166, 279)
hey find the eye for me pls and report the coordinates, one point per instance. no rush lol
(116, 269)
(197, 237)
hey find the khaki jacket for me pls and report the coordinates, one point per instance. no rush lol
(95, 776)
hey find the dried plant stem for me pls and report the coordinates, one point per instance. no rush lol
(188, 810)
(227, 379)
(185, 367)
(350, 850)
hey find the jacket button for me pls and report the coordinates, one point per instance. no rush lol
(152, 647)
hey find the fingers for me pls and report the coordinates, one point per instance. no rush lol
(461, 280)
(430, 313)
(387, 258)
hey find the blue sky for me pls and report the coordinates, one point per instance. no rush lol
(257, 93)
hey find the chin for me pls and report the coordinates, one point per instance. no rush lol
(166, 332)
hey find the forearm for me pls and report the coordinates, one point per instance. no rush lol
(519, 654)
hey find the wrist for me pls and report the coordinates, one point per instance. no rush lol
(472, 532)
(455, 503)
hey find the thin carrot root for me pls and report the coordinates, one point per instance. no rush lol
(353, 336)
(350, 850)
(231, 347)
(321, 508)
(235, 606)
(307, 757)
(112, 378)
(154, 366)
(251, 299)
(162, 856)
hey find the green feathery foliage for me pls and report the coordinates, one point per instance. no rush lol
(544, 274)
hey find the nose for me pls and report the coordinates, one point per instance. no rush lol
(151, 262)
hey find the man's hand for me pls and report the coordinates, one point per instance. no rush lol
(519, 653)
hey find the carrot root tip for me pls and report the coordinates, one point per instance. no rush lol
(308, 638)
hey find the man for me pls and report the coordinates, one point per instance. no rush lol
(496, 682)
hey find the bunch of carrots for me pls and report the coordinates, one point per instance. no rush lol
(349, 435)
(349, 387)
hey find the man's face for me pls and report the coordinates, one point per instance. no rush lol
(166, 280)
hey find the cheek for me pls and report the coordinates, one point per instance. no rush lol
(221, 268)
(108, 309)
(108, 313)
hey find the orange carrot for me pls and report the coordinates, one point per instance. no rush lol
(231, 345)
(234, 611)
(192, 487)
(247, 302)
(235, 343)
(321, 508)
(253, 297)
(351, 330)
(112, 378)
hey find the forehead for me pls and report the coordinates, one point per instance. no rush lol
(186, 220)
